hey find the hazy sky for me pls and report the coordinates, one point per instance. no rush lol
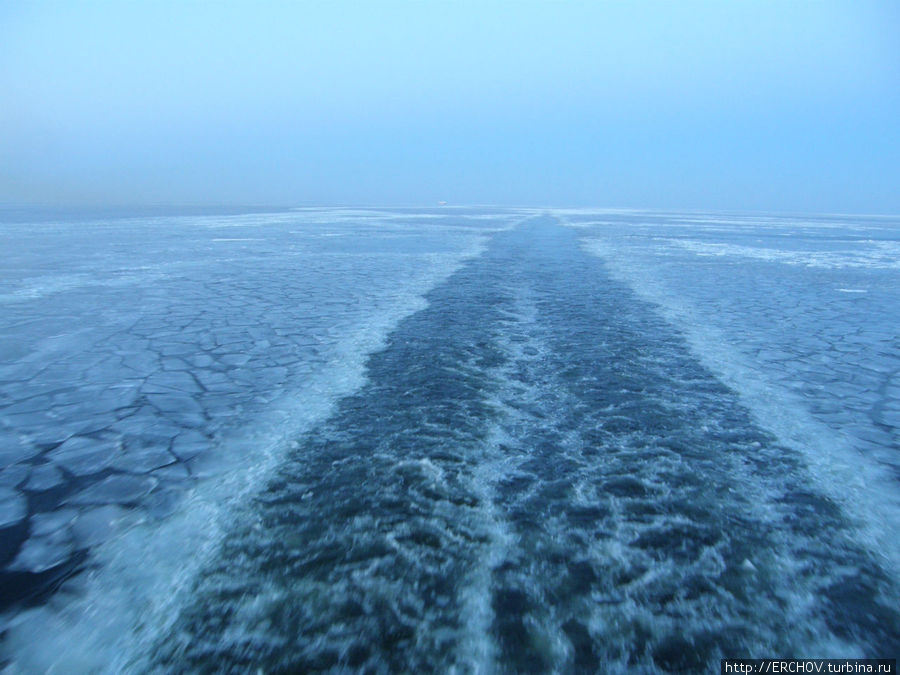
(725, 104)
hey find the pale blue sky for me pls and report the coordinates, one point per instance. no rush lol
(721, 105)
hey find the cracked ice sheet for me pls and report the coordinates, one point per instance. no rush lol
(765, 303)
(143, 343)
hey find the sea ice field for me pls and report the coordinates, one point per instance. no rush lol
(456, 440)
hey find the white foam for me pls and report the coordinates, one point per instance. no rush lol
(478, 650)
(105, 620)
(865, 489)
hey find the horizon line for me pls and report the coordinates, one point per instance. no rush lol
(266, 208)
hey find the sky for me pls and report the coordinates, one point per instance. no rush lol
(731, 105)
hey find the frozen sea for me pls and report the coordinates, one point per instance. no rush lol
(447, 440)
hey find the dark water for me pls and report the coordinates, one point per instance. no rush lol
(538, 476)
